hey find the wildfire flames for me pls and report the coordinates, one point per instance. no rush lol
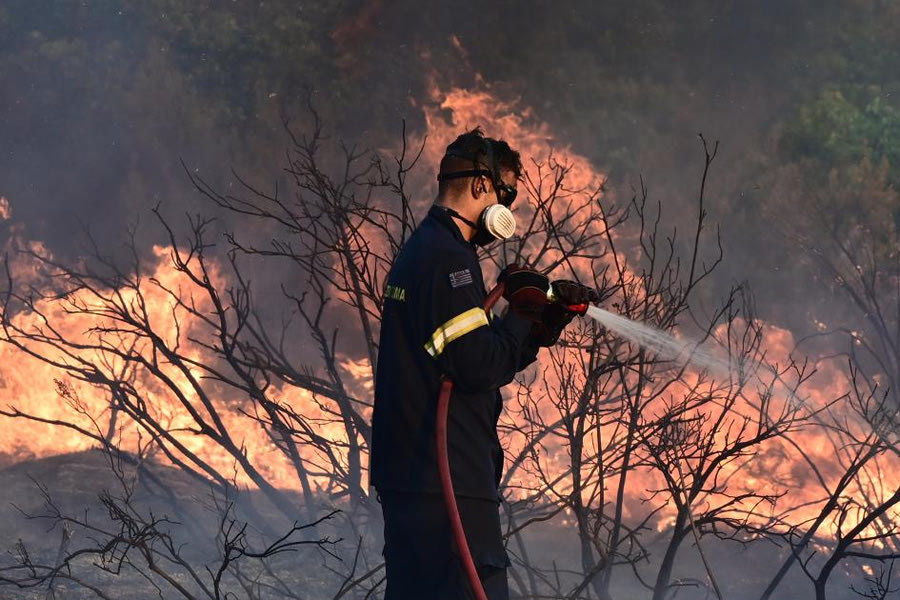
(37, 388)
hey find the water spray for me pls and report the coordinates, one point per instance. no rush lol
(681, 350)
(650, 338)
(660, 342)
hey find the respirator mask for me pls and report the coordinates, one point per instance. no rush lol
(496, 222)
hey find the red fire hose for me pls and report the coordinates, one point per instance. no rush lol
(459, 535)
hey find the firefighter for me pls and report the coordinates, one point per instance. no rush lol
(433, 325)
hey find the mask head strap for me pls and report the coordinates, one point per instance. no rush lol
(505, 193)
(461, 174)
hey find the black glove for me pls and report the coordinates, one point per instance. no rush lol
(526, 291)
(568, 293)
(555, 315)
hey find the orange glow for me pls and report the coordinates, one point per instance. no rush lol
(36, 388)
(776, 466)
(5, 210)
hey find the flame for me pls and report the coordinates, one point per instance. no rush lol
(35, 387)
(449, 114)
(777, 466)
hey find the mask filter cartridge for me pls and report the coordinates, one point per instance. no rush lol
(499, 221)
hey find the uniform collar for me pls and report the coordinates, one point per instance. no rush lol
(441, 216)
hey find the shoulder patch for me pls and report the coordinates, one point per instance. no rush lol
(460, 278)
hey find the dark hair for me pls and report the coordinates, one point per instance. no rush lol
(470, 151)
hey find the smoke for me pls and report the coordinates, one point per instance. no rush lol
(101, 103)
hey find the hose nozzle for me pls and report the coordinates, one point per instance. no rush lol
(578, 309)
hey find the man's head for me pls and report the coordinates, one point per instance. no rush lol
(475, 173)
(475, 161)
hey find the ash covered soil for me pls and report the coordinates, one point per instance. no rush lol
(74, 482)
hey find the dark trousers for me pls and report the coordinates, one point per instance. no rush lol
(420, 558)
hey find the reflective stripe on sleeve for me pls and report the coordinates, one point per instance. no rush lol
(455, 328)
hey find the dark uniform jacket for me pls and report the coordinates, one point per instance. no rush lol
(434, 323)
